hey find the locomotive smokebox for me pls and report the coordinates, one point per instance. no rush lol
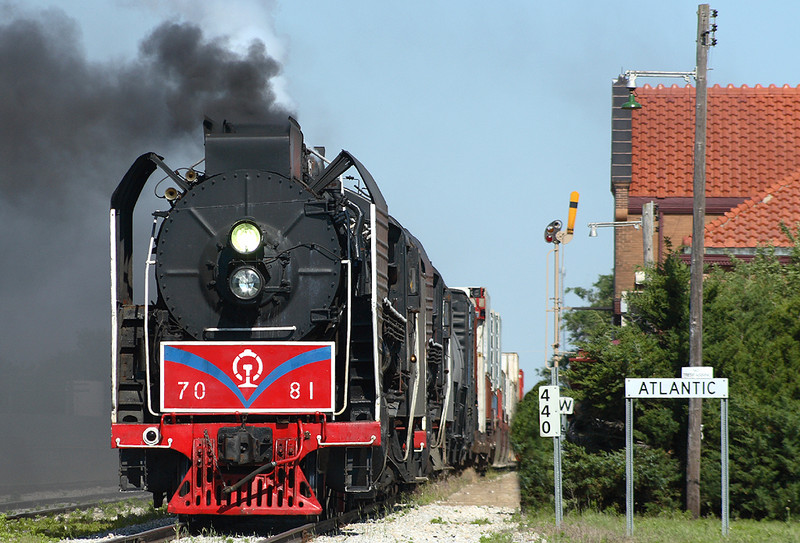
(274, 148)
(248, 251)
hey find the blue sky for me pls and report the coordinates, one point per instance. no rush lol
(476, 119)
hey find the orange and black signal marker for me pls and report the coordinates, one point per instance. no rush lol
(573, 210)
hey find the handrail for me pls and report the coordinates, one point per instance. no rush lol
(347, 337)
(320, 443)
(121, 446)
(148, 262)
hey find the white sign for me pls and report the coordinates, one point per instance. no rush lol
(549, 418)
(565, 405)
(697, 372)
(676, 388)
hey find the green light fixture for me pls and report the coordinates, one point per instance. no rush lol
(245, 237)
(631, 103)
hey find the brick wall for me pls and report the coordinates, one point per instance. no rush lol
(621, 202)
(629, 252)
(628, 255)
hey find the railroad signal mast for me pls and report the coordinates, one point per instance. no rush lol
(550, 410)
(553, 234)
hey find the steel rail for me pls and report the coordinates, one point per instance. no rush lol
(313, 529)
(304, 532)
(26, 509)
(169, 532)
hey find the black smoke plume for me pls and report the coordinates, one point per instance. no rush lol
(70, 129)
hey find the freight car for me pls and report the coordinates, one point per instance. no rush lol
(302, 354)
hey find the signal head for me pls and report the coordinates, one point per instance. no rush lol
(551, 230)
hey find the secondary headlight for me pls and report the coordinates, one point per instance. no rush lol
(246, 283)
(245, 237)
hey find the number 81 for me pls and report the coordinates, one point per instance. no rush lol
(294, 390)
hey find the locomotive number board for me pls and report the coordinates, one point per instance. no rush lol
(256, 377)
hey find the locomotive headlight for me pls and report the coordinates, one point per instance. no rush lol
(246, 283)
(245, 237)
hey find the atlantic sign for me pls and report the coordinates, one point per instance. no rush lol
(676, 388)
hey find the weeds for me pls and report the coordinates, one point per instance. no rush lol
(609, 527)
(76, 524)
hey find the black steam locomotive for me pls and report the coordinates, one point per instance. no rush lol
(302, 353)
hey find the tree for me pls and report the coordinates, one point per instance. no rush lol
(653, 343)
(580, 323)
(751, 336)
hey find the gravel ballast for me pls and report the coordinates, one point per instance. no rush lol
(434, 522)
(477, 510)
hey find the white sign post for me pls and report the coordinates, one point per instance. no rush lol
(551, 424)
(549, 419)
(551, 406)
(697, 382)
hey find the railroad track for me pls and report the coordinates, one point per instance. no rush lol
(303, 533)
(308, 531)
(154, 535)
(32, 509)
(74, 506)
(170, 532)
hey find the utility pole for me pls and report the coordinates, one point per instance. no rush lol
(704, 41)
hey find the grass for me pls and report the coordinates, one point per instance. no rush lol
(500, 537)
(593, 527)
(77, 523)
(440, 489)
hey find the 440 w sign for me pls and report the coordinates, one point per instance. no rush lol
(551, 406)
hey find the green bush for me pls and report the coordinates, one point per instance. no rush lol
(751, 335)
(764, 459)
(596, 481)
(536, 453)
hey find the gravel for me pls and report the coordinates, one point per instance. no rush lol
(437, 523)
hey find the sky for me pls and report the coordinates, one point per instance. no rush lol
(476, 122)
(476, 119)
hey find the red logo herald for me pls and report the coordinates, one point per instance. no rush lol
(260, 377)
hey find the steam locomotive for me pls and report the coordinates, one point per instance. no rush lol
(302, 353)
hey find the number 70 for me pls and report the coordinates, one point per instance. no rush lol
(199, 389)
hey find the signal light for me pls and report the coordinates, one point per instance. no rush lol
(551, 230)
(245, 237)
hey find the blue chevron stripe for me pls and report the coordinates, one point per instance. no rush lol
(308, 357)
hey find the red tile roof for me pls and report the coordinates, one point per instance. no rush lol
(757, 221)
(753, 138)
